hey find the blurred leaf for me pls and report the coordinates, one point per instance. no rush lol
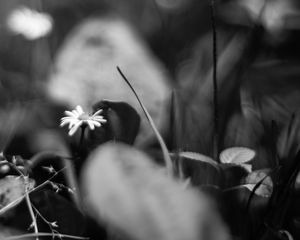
(237, 155)
(198, 168)
(288, 142)
(109, 41)
(263, 190)
(297, 183)
(199, 157)
(262, 178)
(197, 107)
(123, 123)
(125, 189)
(12, 191)
(287, 234)
(233, 174)
(7, 232)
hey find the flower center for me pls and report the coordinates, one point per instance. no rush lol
(84, 117)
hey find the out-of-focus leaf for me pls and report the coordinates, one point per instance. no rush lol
(233, 174)
(265, 189)
(123, 123)
(288, 143)
(12, 191)
(237, 155)
(199, 168)
(297, 183)
(199, 157)
(287, 234)
(197, 107)
(125, 189)
(7, 232)
(85, 66)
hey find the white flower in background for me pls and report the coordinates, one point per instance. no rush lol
(29, 23)
(78, 117)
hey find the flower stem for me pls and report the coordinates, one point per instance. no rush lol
(80, 143)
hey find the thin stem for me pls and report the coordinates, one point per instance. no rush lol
(29, 205)
(11, 204)
(80, 143)
(42, 234)
(81, 136)
(167, 159)
(215, 83)
(28, 202)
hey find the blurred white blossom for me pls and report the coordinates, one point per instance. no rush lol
(29, 23)
(78, 117)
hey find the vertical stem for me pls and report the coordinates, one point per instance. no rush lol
(215, 83)
(81, 138)
(28, 202)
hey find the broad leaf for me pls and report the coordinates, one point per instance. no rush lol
(199, 168)
(265, 188)
(123, 123)
(237, 155)
(126, 190)
(199, 157)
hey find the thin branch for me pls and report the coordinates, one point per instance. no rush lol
(29, 205)
(42, 234)
(11, 204)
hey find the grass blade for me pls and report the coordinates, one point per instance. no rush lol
(167, 159)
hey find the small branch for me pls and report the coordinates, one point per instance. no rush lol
(28, 202)
(70, 174)
(42, 234)
(11, 204)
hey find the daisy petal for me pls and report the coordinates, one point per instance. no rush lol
(91, 125)
(65, 122)
(74, 128)
(76, 114)
(95, 123)
(97, 113)
(68, 118)
(99, 119)
(79, 109)
(70, 114)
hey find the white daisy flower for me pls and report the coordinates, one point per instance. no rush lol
(29, 23)
(77, 118)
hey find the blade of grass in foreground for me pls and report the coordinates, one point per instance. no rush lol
(162, 144)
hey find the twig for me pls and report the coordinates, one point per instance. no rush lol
(11, 204)
(29, 205)
(70, 174)
(42, 234)
(28, 202)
